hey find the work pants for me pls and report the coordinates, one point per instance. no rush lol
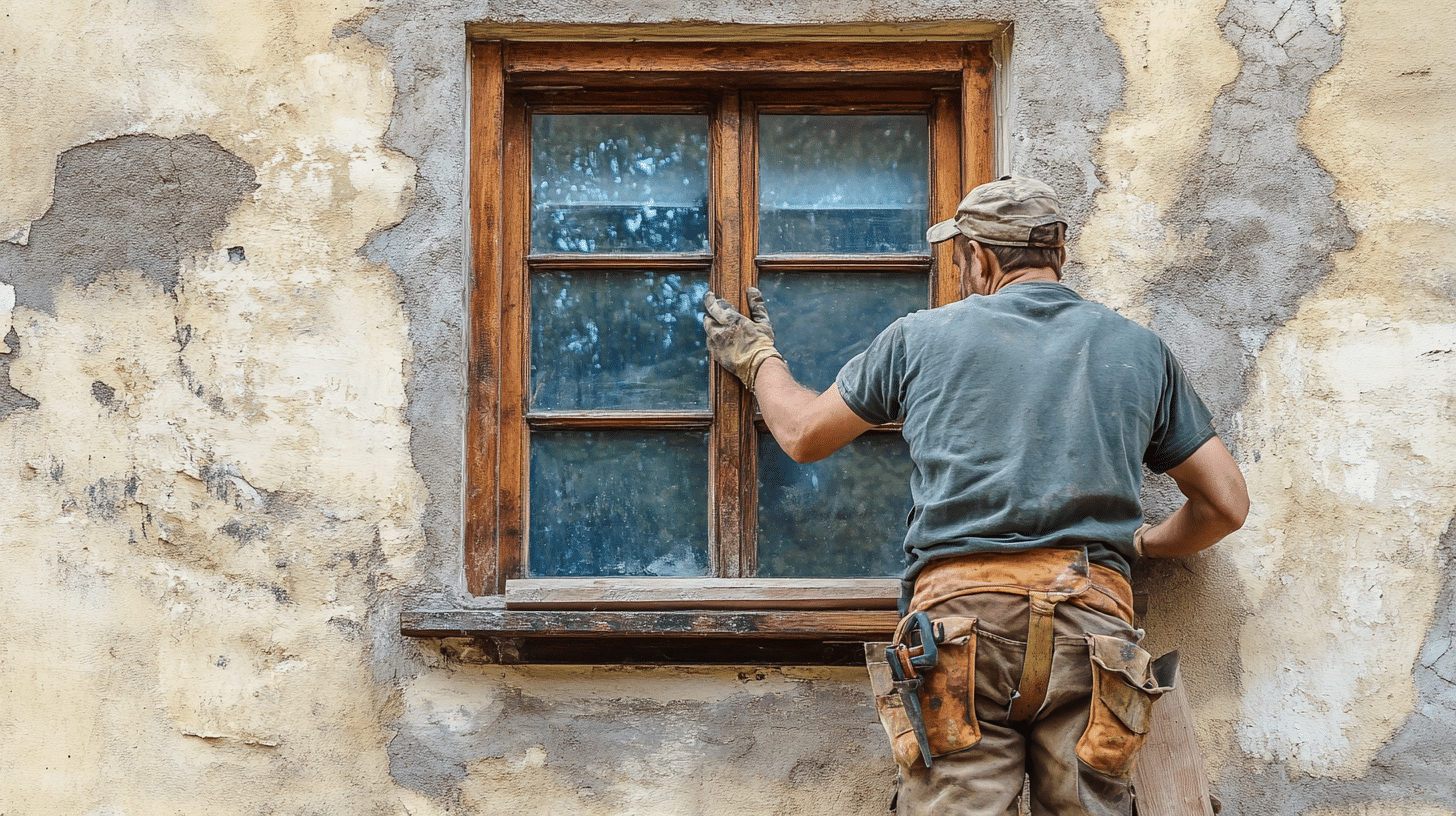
(986, 779)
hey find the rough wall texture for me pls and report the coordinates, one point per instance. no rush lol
(231, 388)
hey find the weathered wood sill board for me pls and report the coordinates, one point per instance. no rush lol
(748, 594)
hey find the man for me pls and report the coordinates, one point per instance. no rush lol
(1029, 413)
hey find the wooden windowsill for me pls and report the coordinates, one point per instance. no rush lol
(739, 594)
(685, 636)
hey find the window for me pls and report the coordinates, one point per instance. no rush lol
(610, 467)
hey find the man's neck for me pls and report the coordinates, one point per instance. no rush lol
(1037, 274)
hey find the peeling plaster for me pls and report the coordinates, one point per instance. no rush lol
(209, 496)
(1340, 565)
(139, 203)
(231, 434)
(1177, 61)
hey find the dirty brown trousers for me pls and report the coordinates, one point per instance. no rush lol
(1077, 742)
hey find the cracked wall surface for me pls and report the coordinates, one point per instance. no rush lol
(231, 384)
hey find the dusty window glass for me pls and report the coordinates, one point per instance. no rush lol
(628, 340)
(618, 503)
(840, 517)
(619, 183)
(843, 183)
(822, 319)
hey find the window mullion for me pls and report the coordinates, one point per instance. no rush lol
(731, 501)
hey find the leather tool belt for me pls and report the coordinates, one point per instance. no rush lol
(1063, 573)
(1047, 577)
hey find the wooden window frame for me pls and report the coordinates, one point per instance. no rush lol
(950, 79)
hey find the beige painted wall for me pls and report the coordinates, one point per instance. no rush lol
(202, 569)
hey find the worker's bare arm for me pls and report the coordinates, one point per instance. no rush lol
(1218, 503)
(808, 426)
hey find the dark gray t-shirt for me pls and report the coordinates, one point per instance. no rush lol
(1029, 414)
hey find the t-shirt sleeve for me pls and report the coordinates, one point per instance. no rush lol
(1181, 424)
(872, 383)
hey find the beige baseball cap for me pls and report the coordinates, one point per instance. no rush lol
(1006, 212)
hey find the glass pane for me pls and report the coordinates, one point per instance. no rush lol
(619, 503)
(614, 183)
(837, 518)
(843, 183)
(630, 340)
(821, 319)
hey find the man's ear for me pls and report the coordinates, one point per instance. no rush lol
(990, 264)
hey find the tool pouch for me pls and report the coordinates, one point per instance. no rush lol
(1126, 681)
(947, 700)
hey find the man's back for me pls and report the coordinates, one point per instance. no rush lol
(1028, 414)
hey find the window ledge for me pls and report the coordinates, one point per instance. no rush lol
(688, 636)
(672, 594)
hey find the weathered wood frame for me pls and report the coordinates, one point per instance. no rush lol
(950, 81)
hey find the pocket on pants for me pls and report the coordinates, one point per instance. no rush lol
(1124, 688)
(947, 700)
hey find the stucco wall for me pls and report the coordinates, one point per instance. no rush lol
(231, 387)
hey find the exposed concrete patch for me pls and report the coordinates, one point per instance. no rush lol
(1419, 759)
(142, 203)
(11, 400)
(647, 741)
(1176, 62)
(1415, 773)
(1261, 203)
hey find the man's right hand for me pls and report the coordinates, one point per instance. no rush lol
(737, 342)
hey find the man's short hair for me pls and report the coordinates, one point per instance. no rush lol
(1013, 258)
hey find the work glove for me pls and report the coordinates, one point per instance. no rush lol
(739, 343)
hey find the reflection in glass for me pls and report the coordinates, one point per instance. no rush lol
(619, 183)
(840, 517)
(828, 317)
(619, 503)
(843, 184)
(629, 340)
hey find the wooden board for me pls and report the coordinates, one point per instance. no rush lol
(702, 593)
(806, 57)
(1168, 775)
(949, 30)
(482, 427)
(803, 625)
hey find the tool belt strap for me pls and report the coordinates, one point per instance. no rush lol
(1036, 669)
(1061, 574)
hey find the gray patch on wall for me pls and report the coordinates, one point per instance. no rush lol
(1264, 200)
(1415, 768)
(586, 745)
(11, 400)
(141, 203)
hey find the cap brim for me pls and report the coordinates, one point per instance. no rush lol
(943, 231)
